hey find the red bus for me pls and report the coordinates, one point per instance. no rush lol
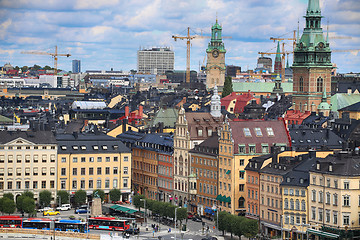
(108, 223)
(11, 221)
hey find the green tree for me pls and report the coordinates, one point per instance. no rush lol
(7, 205)
(230, 223)
(28, 194)
(238, 226)
(24, 68)
(115, 195)
(181, 214)
(64, 196)
(45, 198)
(137, 201)
(80, 197)
(47, 67)
(228, 87)
(251, 228)
(149, 204)
(19, 203)
(9, 196)
(170, 211)
(36, 67)
(28, 205)
(221, 221)
(157, 206)
(100, 193)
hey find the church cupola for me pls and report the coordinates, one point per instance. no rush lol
(215, 109)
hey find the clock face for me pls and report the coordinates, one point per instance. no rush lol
(321, 45)
(215, 53)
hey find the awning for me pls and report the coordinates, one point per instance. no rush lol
(219, 197)
(123, 209)
(228, 172)
(131, 211)
(322, 233)
(228, 199)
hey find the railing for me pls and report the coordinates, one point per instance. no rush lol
(48, 232)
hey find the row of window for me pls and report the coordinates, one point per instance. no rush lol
(146, 166)
(228, 161)
(205, 173)
(294, 205)
(334, 220)
(258, 132)
(35, 158)
(291, 192)
(251, 148)
(346, 184)
(271, 202)
(35, 185)
(206, 201)
(90, 184)
(94, 147)
(292, 219)
(228, 188)
(207, 188)
(26, 147)
(27, 171)
(98, 171)
(92, 159)
(207, 162)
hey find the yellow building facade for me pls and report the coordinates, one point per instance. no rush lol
(89, 162)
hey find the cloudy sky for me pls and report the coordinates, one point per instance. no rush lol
(106, 34)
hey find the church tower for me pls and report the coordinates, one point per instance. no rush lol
(277, 65)
(312, 63)
(215, 108)
(215, 66)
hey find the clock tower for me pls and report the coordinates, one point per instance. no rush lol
(312, 63)
(215, 66)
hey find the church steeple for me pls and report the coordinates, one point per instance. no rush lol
(215, 110)
(277, 65)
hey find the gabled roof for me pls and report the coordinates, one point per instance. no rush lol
(241, 101)
(342, 100)
(208, 147)
(37, 137)
(201, 120)
(352, 108)
(280, 136)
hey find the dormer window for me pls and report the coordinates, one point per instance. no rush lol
(330, 167)
(95, 147)
(104, 147)
(317, 166)
(63, 147)
(288, 179)
(284, 168)
(301, 180)
(247, 132)
(75, 147)
(83, 147)
(115, 147)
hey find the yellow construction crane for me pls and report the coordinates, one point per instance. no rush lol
(188, 38)
(54, 55)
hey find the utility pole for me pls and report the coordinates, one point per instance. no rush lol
(144, 200)
(175, 223)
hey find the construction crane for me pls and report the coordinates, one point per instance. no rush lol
(188, 38)
(54, 55)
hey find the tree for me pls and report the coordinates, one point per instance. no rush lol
(230, 221)
(115, 194)
(7, 205)
(9, 196)
(44, 198)
(157, 206)
(251, 228)
(28, 205)
(28, 194)
(100, 193)
(181, 214)
(228, 87)
(137, 201)
(24, 68)
(36, 67)
(64, 196)
(80, 197)
(221, 221)
(238, 226)
(47, 67)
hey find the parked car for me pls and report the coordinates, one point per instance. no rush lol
(44, 209)
(197, 219)
(64, 207)
(132, 231)
(209, 238)
(82, 210)
(51, 213)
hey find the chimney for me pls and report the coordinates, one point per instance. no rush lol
(76, 135)
(126, 112)
(124, 123)
(161, 127)
(312, 153)
(274, 152)
(141, 108)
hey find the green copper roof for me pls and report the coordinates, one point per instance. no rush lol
(167, 116)
(261, 87)
(313, 8)
(216, 26)
(278, 55)
(341, 100)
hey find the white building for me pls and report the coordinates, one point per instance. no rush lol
(155, 60)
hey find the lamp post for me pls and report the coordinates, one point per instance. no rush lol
(175, 222)
(144, 200)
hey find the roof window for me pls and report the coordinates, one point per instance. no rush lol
(75, 147)
(83, 147)
(104, 147)
(63, 147)
(95, 147)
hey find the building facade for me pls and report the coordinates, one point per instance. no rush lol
(312, 63)
(215, 66)
(28, 162)
(76, 66)
(92, 161)
(155, 60)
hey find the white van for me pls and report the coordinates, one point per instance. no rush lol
(64, 207)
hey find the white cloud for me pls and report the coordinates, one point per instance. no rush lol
(3, 27)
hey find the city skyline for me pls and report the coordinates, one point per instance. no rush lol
(105, 35)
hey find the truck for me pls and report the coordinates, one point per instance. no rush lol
(64, 207)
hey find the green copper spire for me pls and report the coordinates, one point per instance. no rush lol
(278, 54)
(324, 105)
(313, 8)
(216, 39)
(287, 62)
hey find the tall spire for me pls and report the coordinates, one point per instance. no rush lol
(313, 8)
(277, 66)
(327, 32)
(215, 106)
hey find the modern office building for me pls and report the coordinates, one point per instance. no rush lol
(155, 60)
(76, 66)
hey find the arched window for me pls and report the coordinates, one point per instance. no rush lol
(241, 202)
(301, 84)
(297, 204)
(319, 84)
(286, 203)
